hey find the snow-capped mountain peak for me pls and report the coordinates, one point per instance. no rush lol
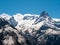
(44, 16)
(29, 29)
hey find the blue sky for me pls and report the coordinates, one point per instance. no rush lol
(30, 6)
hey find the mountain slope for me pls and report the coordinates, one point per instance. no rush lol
(29, 29)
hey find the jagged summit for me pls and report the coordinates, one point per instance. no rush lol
(44, 14)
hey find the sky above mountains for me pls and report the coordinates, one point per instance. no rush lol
(30, 6)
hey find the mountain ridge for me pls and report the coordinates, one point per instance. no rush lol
(29, 29)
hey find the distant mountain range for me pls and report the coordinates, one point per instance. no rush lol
(29, 29)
